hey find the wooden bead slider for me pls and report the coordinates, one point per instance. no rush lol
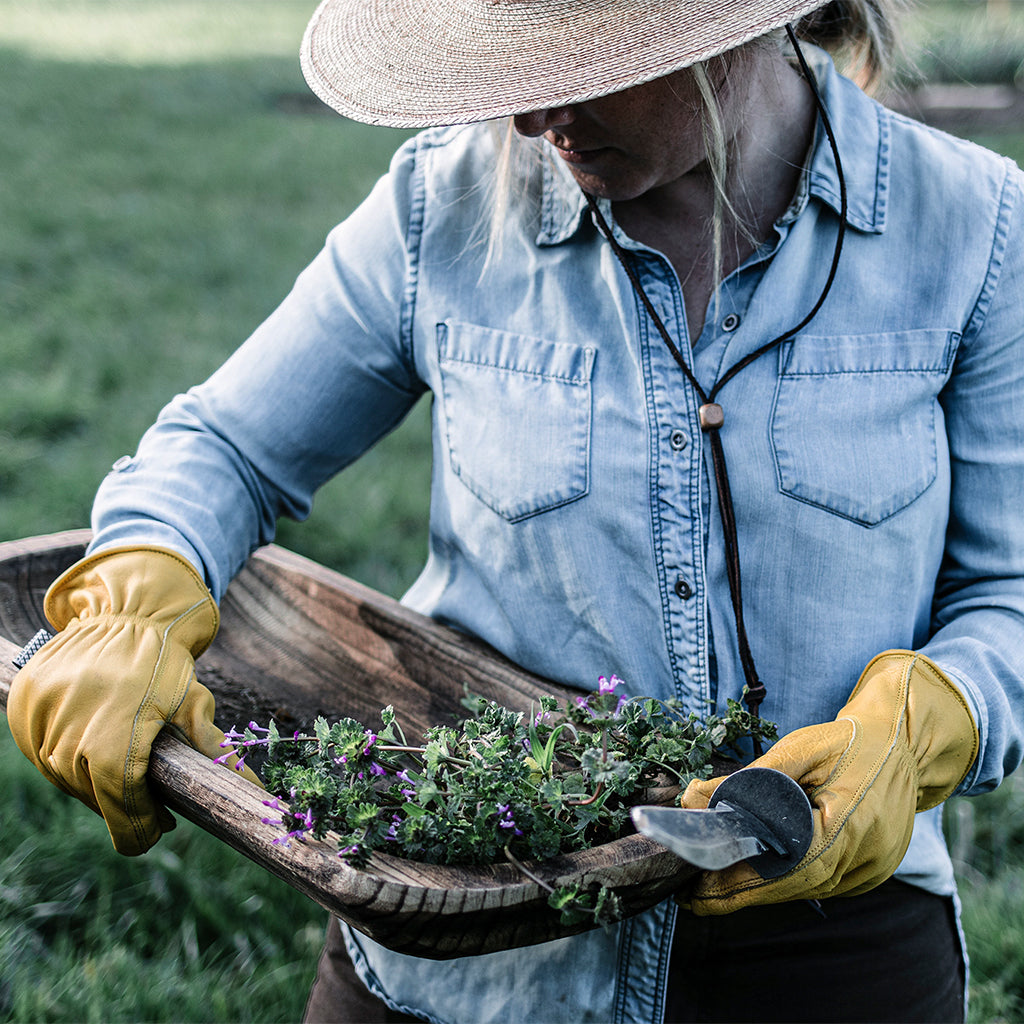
(711, 416)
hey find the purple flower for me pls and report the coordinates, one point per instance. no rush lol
(376, 769)
(274, 804)
(408, 793)
(403, 775)
(506, 820)
(584, 702)
(258, 728)
(304, 821)
(605, 685)
(371, 738)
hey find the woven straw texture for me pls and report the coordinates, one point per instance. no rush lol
(415, 63)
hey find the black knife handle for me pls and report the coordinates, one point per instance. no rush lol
(778, 812)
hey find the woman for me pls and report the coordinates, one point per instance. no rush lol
(708, 309)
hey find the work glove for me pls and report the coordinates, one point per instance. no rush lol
(903, 743)
(87, 706)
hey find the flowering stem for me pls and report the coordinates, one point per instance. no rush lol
(590, 799)
(517, 863)
(395, 748)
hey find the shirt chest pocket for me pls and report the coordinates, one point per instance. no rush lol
(517, 417)
(855, 421)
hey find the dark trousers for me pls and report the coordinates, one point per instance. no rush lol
(891, 955)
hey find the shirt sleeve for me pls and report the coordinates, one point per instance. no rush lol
(324, 377)
(978, 613)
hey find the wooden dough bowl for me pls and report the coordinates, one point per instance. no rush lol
(296, 641)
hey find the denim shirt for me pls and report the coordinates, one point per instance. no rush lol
(876, 463)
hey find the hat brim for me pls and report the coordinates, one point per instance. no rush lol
(416, 63)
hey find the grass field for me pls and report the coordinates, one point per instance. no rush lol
(159, 190)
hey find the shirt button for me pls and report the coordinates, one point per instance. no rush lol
(683, 589)
(731, 322)
(679, 440)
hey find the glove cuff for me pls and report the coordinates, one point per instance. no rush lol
(156, 584)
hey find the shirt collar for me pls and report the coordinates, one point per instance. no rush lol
(862, 130)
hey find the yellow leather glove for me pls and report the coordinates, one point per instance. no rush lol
(87, 706)
(904, 741)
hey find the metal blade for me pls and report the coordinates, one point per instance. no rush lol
(756, 814)
(711, 840)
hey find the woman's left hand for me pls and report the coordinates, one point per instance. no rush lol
(903, 743)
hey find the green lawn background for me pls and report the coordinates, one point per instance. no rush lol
(163, 178)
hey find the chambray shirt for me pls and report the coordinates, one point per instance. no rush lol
(876, 463)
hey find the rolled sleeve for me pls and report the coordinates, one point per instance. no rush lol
(978, 616)
(321, 380)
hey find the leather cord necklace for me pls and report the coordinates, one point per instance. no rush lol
(712, 416)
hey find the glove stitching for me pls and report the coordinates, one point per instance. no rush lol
(940, 679)
(896, 728)
(131, 781)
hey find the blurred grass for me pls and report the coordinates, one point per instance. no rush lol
(159, 192)
(153, 214)
(966, 41)
(189, 932)
(160, 187)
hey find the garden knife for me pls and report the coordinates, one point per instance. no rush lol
(756, 814)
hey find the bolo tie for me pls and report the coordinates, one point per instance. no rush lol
(711, 413)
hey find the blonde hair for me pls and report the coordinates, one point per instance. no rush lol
(863, 38)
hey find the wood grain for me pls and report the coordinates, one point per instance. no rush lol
(296, 641)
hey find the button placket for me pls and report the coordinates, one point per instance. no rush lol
(678, 469)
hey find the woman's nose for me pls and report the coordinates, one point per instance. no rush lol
(537, 122)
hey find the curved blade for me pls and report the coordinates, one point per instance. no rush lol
(711, 839)
(756, 814)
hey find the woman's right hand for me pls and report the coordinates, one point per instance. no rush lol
(87, 706)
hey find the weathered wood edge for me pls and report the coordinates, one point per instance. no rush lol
(231, 808)
(392, 893)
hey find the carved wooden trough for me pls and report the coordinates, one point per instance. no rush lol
(296, 641)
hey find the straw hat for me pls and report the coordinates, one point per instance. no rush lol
(414, 63)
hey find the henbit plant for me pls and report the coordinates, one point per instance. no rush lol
(499, 784)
